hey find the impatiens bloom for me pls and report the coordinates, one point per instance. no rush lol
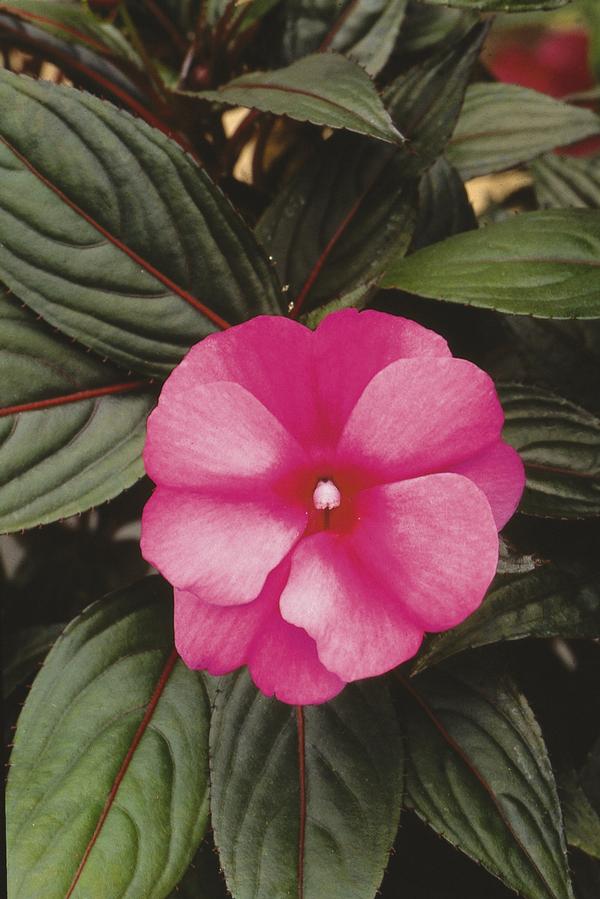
(324, 498)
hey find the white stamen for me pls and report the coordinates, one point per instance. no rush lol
(326, 495)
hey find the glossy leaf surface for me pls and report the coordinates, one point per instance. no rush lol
(325, 89)
(133, 251)
(333, 228)
(545, 602)
(74, 23)
(559, 443)
(107, 793)
(72, 429)
(503, 125)
(540, 263)
(565, 181)
(322, 829)
(479, 774)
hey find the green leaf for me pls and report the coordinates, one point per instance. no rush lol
(74, 23)
(369, 32)
(565, 181)
(333, 228)
(24, 651)
(542, 603)
(444, 207)
(425, 101)
(130, 247)
(478, 773)
(365, 30)
(582, 821)
(320, 829)
(84, 64)
(107, 792)
(325, 89)
(426, 27)
(502, 125)
(591, 13)
(500, 5)
(72, 429)
(545, 264)
(559, 443)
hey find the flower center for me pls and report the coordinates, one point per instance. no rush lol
(326, 495)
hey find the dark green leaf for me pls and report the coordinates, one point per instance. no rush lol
(444, 207)
(352, 789)
(425, 101)
(563, 181)
(500, 5)
(333, 227)
(540, 263)
(368, 34)
(479, 774)
(72, 429)
(26, 649)
(503, 125)
(591, 12)
(108, 778)
(325, 89)
(87, 66)
(74, 23)
(541, 603)
(365, 30)
(559, 443)
(130, 247)
(426, 27)
(563, 356)
(582, 821)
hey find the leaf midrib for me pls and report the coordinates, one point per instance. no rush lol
(135, 257)
(455, 746)
(80, 36)
(77, 396)
(150, 709)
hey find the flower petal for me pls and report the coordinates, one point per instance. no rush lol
(499, 472)
(218, 549)
(357, 622)
(433, 542)
(419, 416)
(351, 347)
(269, 356)
(282, 659)
(217, 435)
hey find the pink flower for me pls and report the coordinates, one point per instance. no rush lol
(323, 498)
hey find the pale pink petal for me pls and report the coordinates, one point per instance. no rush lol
(284, 663)
(419, 416)
(282, 659)
(433, 542)
(270, 356)
(358, 623)
(499, 472)
(217, 435)
(216, 638)
(351, 347)
(218, 549)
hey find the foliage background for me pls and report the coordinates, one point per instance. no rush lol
(352, 219)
